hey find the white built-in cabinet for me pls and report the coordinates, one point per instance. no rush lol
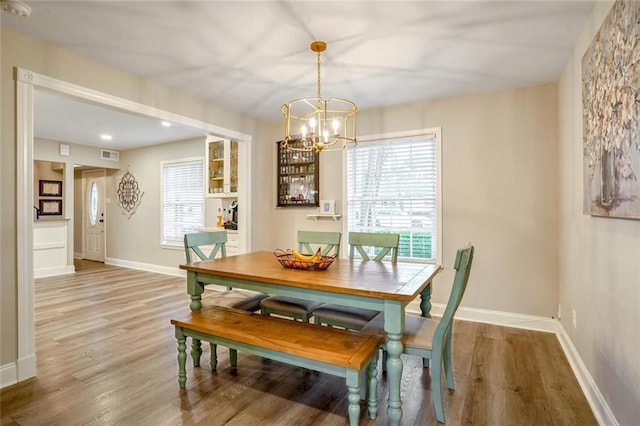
(222, 167)
(51, 248)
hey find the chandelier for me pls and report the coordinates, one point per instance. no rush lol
(317, 124)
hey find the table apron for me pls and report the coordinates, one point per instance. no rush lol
(355, 301)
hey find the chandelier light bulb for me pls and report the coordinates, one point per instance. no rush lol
(335, 126)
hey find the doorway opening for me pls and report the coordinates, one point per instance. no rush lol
(26, 83)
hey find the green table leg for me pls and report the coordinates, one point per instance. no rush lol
(394, 327)
(195, 290)
(425, 301)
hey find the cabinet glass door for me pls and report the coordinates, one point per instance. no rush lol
(222, 162)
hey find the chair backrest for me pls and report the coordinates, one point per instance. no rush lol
(328, 241)
(462, 265)
(194, 242)
(385, 242)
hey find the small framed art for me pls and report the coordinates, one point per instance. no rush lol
(50, 207)
(50, 188)
(327, 206)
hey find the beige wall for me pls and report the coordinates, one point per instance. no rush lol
(137, 238)
(499, 191)
(25, 52)
(599, 261)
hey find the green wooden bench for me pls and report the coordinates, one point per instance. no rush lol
(339, 352)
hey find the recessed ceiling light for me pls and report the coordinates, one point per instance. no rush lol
(166, 124)
(106, 137)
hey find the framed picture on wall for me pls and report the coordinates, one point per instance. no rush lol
(50, 188)
(50, 207)
(328, 207)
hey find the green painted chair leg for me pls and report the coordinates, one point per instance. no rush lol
(233, 357)
(213, 360)
(448, 371)
(196, 351)
(436, 388)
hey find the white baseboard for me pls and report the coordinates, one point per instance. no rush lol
(18, 371)
(600, 408)
(50, 272)
(26, 367)
(77, 255)
(8, 375)
(505, 319)
(167, 270)
(596, 401)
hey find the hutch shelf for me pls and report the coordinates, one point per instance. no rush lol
(298, 178)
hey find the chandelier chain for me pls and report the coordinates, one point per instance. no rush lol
(319, 75)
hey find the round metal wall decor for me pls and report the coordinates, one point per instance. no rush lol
(129, 193)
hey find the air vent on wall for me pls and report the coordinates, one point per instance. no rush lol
(106, 154)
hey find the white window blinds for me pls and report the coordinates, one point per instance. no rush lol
(182, 199)
(392, 187)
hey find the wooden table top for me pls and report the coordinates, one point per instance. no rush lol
(401, 281)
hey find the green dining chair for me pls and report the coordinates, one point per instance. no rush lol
(430, 338)
(217, 240)
(300, 309)
(370, 247)
(328, 242)
(194, 250)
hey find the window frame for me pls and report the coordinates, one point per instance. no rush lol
(163, 241)
(436, 133)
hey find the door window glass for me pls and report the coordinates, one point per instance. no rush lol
(93, 203)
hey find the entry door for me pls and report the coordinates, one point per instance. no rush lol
(93, 219)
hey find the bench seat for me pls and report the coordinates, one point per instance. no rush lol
(335, 351)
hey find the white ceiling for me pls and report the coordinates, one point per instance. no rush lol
(67, 120)
(253, 56)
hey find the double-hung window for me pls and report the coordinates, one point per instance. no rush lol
(182, 199)
(393, 186)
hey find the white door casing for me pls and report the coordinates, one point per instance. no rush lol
(26, 81)
(93, 215)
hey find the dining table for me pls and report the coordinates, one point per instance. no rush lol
(383, 286)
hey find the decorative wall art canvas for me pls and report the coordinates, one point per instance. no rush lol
(611, 115)
(129, 192)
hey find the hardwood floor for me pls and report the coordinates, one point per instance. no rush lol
(107, 355)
